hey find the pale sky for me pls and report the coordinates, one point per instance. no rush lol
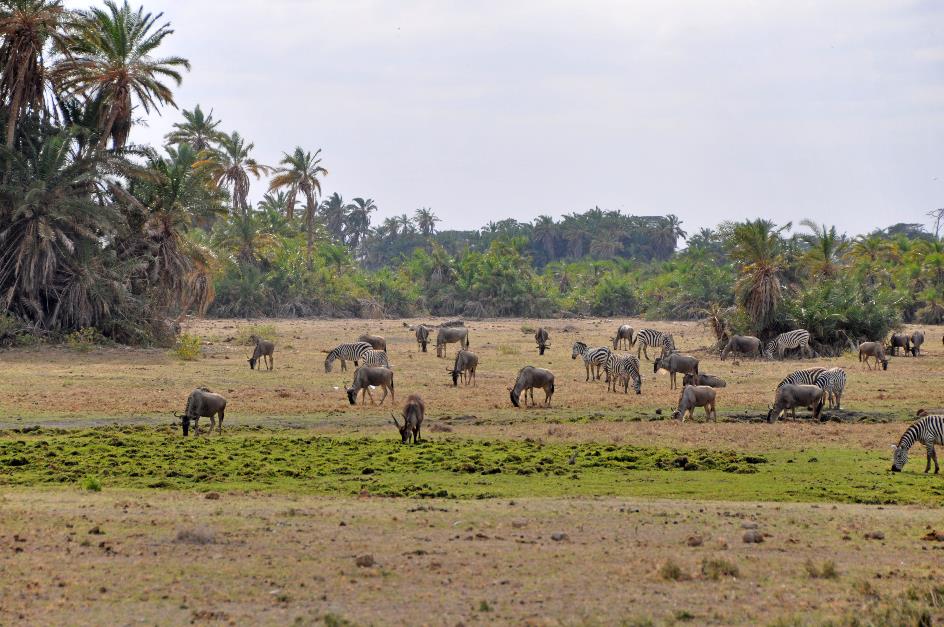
(492, 109)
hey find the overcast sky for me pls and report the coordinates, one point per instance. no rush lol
(512, 108)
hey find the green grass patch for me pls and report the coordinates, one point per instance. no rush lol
(451, 467)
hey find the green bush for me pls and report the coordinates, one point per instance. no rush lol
(84, 340)
(187, 347)
(92, 484)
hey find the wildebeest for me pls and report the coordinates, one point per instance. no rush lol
(541, 336)
(792, 396)
(449, 335)
(202, 402)
(675, 363)
(873, 349)
(376, 342)
(693, 396)
(422, 336)
(453, 323)
(899, 340)
(529, 378)
(367, 376)
(704, 379)
(464, 366)
(413, 412)
(744, 344)
(264, 350)
(917, 339)
(624, 337)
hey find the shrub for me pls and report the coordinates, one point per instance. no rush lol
(671, 571)
(505, 349)
(84, 340)
(715, 569)
(827, 571)
(187, 347)
(92, 484)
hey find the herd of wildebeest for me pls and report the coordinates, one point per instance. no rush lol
(809, 388)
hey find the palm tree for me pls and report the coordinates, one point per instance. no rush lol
(826, 249)
(198, 130)
(107, 58)
(299, 173)
(545, 233)
(25, 28)
(667, 235)
(426, 221)
(334, 215)
(271, 210)
(357, 226)
(171, 183)
(389, 228)
(229, 166)
(758, 247)
(604, 245)
(406, 224)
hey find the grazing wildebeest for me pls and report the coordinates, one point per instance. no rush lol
(449, 335)
(704, 379)
(465, 365)
(367, 376)
(541, 337)
(929, 430)
(422, 336)
(264, 350)
(675, 363)
(873, 349)
(624, 337)
(202, 402)
(917, 339)
(792, 396)
(745, 344)
(899, 340)
(529, 378)
(376, 342)
(413, 412)
(696, 396)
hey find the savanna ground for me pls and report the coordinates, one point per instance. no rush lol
(598, 510)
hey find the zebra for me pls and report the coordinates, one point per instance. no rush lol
(592, 358)
(655, 339)
(929, 430)
(807, 376)
(622, 368)
(376, 358)
(346, 352)
(833, 381)
(798, 338)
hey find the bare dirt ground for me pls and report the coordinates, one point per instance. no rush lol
(124, 557)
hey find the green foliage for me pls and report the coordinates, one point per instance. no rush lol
(837, 311)
(92, 484)
(826, 571)
(187, 347)
(671, 571)
(244, 333)
(84, 340)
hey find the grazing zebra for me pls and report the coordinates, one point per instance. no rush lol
(376, 358)
(833, 381)
(654, 339)
(807, 376)
(622, 368)
(798, 338)
(593, 358)
(346, 352)
(928, 430)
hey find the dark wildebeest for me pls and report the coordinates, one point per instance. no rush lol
(449, 335)
(529, 378)
(899, 340)
(541, 336)
(675, 363)
(792, 396)
(367, 376)
(376, 342)
(264, 350)
(873, 349)
(413, 413)
(745, 344)
(917, 339)
(624, 337)
(422, 336)
(464, 366)
(704, 379)
(202, 402)
(696, 396)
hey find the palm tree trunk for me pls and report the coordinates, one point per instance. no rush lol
(106, 131)
(15, 105)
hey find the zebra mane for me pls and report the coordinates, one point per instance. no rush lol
(910, 436)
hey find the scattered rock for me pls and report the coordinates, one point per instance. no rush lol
(212, 496)
(752, 536)
(694, 541)
(559, 537)
(874, 535)
(365, 561)
(748, 525)
(96, 531)
(934, 536)
(519, 523)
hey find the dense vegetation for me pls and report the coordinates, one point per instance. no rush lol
(97, 232)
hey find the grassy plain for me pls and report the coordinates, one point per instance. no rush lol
(264, 524)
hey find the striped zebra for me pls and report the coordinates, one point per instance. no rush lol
(376, 358)
(833, 381)
(593, 358)
(646, 338)
(798, 338)
(807, 376)
(346, 352)
(622, 368)
(928, 430)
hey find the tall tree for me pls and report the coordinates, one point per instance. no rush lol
(358, 221)
(334, 215)
(426, 221)
(826, 249)
(198, 130)
(757, 246)
(299, 173)
(25, 28)
(229, 165)
(107, 58)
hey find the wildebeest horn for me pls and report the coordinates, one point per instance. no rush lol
(176, 415)
(395, 421)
